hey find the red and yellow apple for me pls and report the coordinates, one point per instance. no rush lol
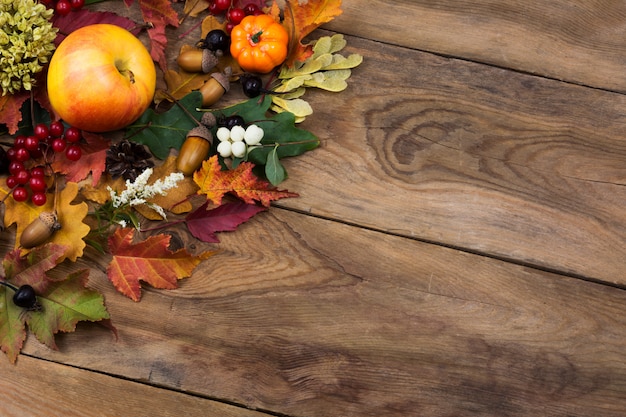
(101, 78)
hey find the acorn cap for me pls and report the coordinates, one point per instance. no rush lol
(201, 132)
(209, 61)
(208, 119)
(223, 78)
(50, 219)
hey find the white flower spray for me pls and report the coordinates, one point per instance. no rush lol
(139, 192)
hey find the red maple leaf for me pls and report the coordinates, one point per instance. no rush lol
(203, 223)
(10, 110)
(159, 14)
(150, 261)
(241, 181)
(93, 160)
(83, 17)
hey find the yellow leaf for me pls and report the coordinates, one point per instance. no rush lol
(194, 7)
(71, 217)
(297, 106)
(101, 194)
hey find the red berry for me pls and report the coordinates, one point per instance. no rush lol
(41, 131)
(251, 9)
(63, 7)
(77, 4)
(31, 143)
(229, 27)
(15, 167)
(72, 135)
(11, 154)
(22, 154)
(20, 194)
(18, 142)
(22, 177)
(37, 183)
(11, 181)
(73, 152)
(38, 199)
(222, 5)
(58, 145)
(235, 15)
(56, 128)
(39, 172)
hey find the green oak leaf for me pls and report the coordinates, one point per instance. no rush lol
(162, 131)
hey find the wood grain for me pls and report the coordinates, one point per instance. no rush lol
(309, 317)
(40, 388)
(580, 41)
(473, 157)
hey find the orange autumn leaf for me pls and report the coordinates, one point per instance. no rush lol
(70, 216)
(215, 183)
(302, 19)
(180, 83)
(150, 261)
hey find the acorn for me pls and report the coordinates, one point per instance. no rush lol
(197, 60)
(215, 87)
(194, 150)
(40, 230)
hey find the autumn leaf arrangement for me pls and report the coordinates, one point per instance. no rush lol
(119, 198)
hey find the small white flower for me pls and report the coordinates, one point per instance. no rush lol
(139, 192)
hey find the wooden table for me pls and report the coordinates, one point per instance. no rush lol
(458, 248)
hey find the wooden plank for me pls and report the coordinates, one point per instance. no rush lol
(308, 317)
(471, 156)
(580, 41)
(41, 388)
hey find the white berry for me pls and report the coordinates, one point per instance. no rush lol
(223, 134)
(239, 149)
(236, 133)
(253, 135)
(225, 149)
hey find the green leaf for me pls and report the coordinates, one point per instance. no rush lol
(65, 303)
(162, 131)
(274, 170)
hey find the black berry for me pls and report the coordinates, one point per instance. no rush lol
(252, 85)
(216, 40)
(231, 121)
(25, 297)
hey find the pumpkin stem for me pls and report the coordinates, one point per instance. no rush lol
(256, 38)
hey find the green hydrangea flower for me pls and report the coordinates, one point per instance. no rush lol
(26, 42)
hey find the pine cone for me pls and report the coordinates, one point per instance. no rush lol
(128, 160)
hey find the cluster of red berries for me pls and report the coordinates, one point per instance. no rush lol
(63, 7)
(234, 15)
(30, 155)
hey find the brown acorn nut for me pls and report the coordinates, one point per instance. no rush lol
(215, 87)
(39, 230)
(197, 60)
(194, 150)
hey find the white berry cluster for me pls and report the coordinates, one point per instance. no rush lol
(238, 141)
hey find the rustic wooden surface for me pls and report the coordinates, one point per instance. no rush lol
(458, 248)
